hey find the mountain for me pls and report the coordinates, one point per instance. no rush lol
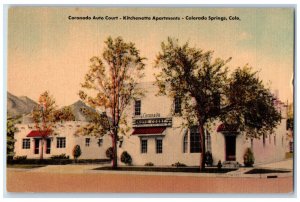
(22, 106)
(77, 110)
(17, 106)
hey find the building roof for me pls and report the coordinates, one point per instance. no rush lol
(36, 133)
(148, 130)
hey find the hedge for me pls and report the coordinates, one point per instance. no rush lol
(56, 161)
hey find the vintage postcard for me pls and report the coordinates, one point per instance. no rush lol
(150, 100)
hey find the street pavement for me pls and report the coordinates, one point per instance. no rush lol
(82, 178)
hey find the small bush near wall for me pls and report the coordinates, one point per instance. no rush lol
(109, 153)
(249, 158)
(61, 156)
(149, 164)
(42, 161)
(126, 158)
(178, 164)
(58, 161)
(18, 158)
(96, 161)
(208, 158)
(76, 152)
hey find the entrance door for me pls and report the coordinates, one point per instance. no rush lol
(230, 147)
(36, 146)
(48, 146)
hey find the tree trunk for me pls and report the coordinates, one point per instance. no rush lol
(202, 144)
(42, 149)
(115, 153)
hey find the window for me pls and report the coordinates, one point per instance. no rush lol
(87, 142)
(48, 146)
(185, 143)
(208, 141)
(100, 142)
(274, 139)
(159, 145)
(144, 144)
(270, 141)
(251, 144)
(177, 105)
(26, 144)
(61, 142)
(264, 140)
(36, 146)
(195, 145)
(137, 107)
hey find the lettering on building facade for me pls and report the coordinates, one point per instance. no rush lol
(151, 120)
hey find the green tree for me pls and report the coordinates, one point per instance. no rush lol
(64, 114)
(76, 152)
(112, 85)
(290, 117)
(10, 140)
(208, 93)
(45, 115)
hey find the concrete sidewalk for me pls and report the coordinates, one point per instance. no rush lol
(285, 164)
(89, 169)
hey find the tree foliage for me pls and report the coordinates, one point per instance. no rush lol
(46, 114)
(10, 140)
(111, 84)
(64, 114)
(191, 74)
(209, 93)
(98, 125)
(249, 104)
(43, 113)
(290, 117)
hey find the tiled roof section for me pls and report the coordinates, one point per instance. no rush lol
(148, 130)
(36, 133)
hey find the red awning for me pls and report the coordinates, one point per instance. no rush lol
(36, 133)
(148, 130)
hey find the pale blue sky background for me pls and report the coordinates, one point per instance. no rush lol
(46, 51)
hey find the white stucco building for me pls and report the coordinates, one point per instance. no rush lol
(28, 142)
(156, 136)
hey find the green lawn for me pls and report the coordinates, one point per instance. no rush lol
(265, 171)
(168, 169)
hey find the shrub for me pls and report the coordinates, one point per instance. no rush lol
(149, 164)
(178, 164)
(208, 158)
(20, 158)
(76, 152)
(126, 158)
(60, 156)
(109, 153)
(249, 158)
(219, 165)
